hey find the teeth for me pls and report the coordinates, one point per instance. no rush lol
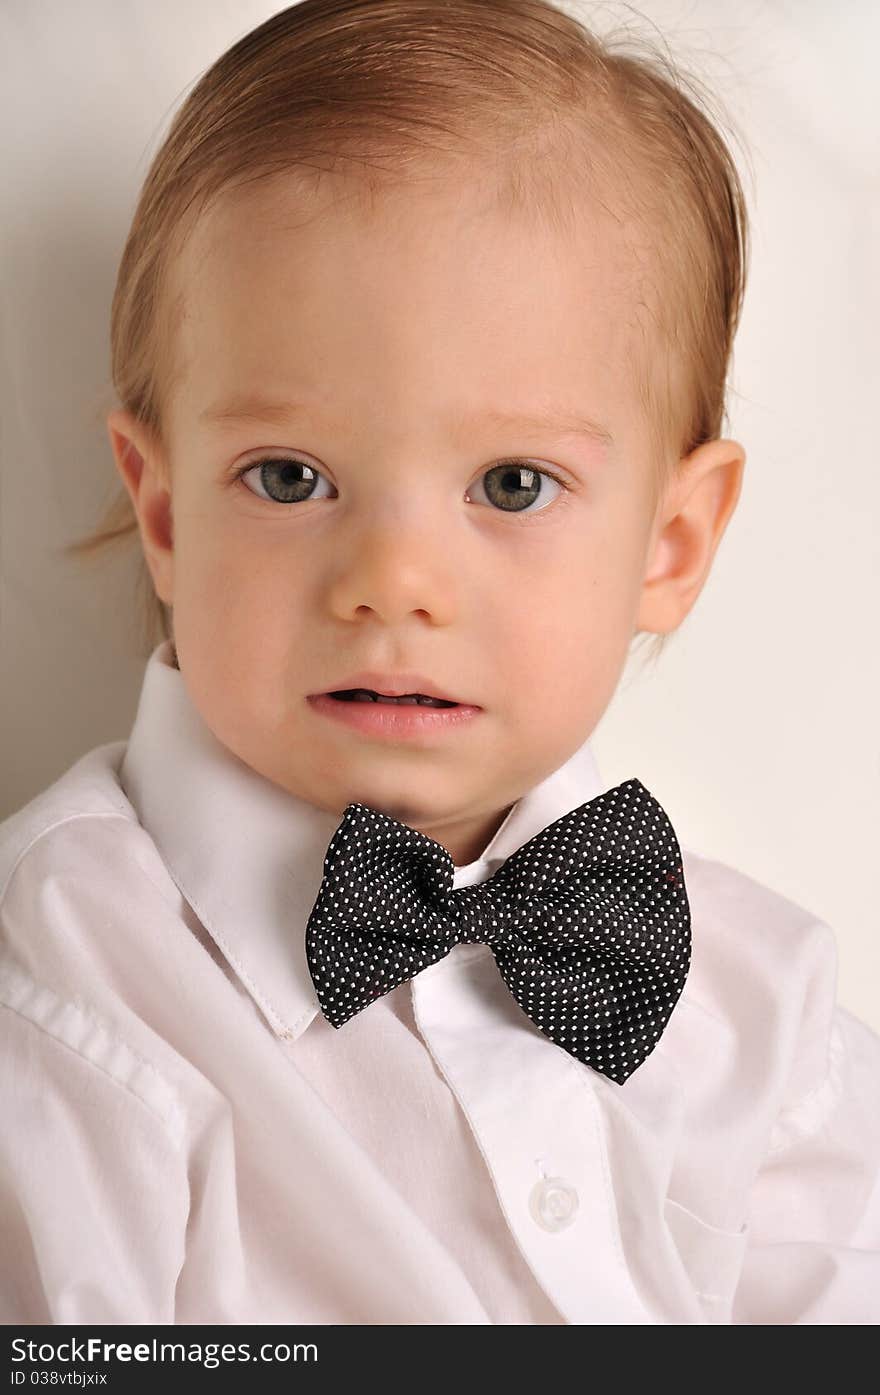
(408, 699)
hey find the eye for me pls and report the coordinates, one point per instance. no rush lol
(286, 481)
(512, 486)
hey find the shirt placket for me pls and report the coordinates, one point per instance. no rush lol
(538, 1125)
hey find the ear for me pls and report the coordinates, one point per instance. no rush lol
(144, 470)
(689, 524)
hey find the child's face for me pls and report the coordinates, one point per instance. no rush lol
(395, 335)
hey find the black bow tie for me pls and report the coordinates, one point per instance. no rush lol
(589, 922)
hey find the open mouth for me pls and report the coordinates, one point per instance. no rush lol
(406, 699)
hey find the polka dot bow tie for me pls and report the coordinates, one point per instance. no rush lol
(588, 921)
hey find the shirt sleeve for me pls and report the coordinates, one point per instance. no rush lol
(813, 1251)
(93, 1188)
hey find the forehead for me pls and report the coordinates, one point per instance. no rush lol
(438, 282)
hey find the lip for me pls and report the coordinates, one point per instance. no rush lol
(389, 722)
(392, 685)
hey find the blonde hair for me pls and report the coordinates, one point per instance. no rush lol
(383, 88)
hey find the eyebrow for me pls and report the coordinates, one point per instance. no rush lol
(563, 421)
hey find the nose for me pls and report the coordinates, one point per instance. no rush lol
(395, 568)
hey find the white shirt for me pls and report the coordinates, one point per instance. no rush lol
(187, 1140)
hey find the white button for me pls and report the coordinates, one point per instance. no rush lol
(553, 1203)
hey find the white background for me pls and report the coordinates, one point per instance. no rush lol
(758, 729)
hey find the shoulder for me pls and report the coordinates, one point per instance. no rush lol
(763, 967)
(738, 921)
(81, 832)
(79, 875)
(89, 790)
(79, 880)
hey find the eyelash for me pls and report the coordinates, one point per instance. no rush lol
(514, 460)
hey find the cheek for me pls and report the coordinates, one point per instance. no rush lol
(572, 629)
(237, 673)
(236, 578)
(240, 626)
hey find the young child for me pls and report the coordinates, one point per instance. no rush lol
(421, 336)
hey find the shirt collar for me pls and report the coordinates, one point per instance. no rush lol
(248, 856)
